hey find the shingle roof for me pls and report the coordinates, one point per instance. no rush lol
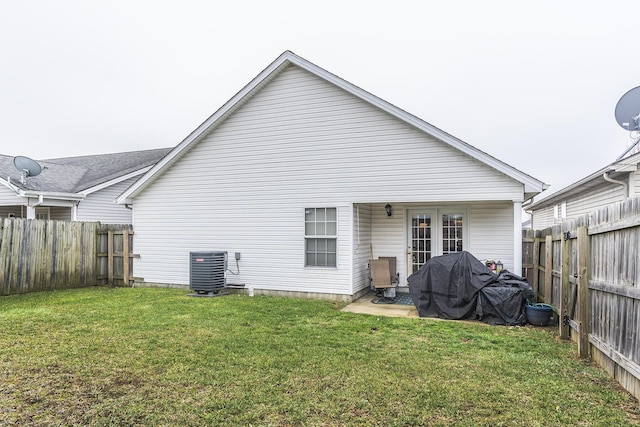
(75, 174)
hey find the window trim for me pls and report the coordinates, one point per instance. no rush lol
(307, 237)
(437, 212)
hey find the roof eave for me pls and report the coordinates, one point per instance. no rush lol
(114, 181)
(627, 164)
(54, 195)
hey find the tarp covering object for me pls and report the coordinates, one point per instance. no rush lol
(459, 286)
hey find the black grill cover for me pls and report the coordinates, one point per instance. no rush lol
(458, 286)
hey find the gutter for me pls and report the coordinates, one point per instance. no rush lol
(607, 178)
(53, 195)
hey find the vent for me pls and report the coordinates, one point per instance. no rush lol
(207, 271)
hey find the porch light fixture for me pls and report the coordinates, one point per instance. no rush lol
(387, 208)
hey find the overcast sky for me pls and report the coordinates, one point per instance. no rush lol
(534, 84)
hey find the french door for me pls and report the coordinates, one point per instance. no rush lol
(433, 232)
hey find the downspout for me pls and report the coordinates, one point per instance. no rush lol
(31, 209)
(607, 178)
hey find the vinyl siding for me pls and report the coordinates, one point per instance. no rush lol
(10, 203)
(542, 218)
(605, 195)
(361, 246)
(389, 236)
(6, 211)
(589, 201)
(8, 197)
(491, 232)
(634, 183)
(489, 229)
(299, 142)
(59, 213)
(100, 206)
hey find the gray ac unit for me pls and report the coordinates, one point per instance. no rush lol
(207, 271)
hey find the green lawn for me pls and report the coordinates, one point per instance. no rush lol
(104, 356)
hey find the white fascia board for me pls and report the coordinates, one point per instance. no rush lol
(52, 195)
(114, 181)
(531, 185)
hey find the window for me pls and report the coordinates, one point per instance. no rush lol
(560, 212)
(42, 213)
(451, 233)
(320, 235)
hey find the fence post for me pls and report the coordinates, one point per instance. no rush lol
(536, 265)
(563, 329)
(583, 291)
(548, 268)
(110, 257)
(125, 257)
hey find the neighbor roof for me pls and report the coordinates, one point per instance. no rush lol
(531, 185)
(78, 174)
(616, 170)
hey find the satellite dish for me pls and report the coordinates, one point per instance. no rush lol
(628, 110)
(27, 167)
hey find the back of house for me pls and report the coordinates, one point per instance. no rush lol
(308, 177)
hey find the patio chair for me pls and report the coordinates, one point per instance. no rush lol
(382, 273)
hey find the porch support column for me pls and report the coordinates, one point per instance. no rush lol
(517, 238)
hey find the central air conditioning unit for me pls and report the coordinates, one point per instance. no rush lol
(207, 272)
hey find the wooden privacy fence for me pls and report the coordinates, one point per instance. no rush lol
(115, 257)
(38, 255)
(589, 270)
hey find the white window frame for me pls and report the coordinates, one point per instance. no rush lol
(464, 240)
(437, 234)
(320, 233)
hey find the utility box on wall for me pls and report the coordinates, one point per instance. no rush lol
(207, 271)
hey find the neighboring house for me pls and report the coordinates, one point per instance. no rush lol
(613, 183)
(74, 188)
(308, 177)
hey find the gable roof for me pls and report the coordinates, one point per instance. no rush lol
(617, 170)
(82, 174)
(531, 185)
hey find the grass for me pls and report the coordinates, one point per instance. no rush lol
(107, 357)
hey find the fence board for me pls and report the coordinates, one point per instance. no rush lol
(37, 255)
(564, 291)
(599, 275)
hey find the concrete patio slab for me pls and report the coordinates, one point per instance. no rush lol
(365, 306)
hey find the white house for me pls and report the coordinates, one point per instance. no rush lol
(613, 183)
(81, 188)
(308, 177)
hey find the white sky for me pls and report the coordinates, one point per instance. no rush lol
(534, 84)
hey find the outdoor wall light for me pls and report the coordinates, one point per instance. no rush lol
(387, 208)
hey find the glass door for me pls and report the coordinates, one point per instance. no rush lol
(421, 239)
(433, 232)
